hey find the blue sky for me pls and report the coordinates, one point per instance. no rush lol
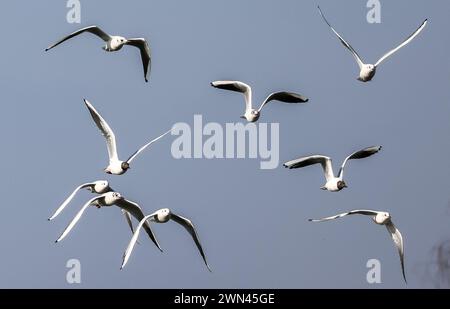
(252, 222)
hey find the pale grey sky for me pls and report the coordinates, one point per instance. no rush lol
(258, 240)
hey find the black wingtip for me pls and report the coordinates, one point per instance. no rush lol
(310, 220)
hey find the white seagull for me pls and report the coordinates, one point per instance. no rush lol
(116, 166)
(99, 187)
(111, 199)
(333, 184)
(115, 43)
(381, 218)
(251, 114)
(163, 216)
(367, 71)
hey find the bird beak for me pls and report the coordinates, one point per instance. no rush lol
(243, 117)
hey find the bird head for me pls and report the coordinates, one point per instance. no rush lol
(341, 185)
(125, 166)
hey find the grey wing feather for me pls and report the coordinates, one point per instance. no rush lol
(236, 86)
(398, 241)
(409, 39)
(347, 45)
(146, 55)
(187, 224)
(106, 131)
(316, 159)
(286, 97)
(92, 29)
(361, 154)
(353, 212)
(136, 212)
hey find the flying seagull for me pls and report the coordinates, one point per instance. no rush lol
(110, 199)
(380, 218)
(251, 114)
(163, 216)
(115, 43)
(116, 166)
(367, 71)
(333, 183)
(99, 187)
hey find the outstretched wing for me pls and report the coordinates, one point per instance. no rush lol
(131, 158)
(77, 217)
(134, 239)
(286, 97)
(146, 55)
(106, 130)
(91, 29)
(353, 212)
(398, 241)
(361, 154)
(347, 45)
(187, 224)
(238, 87)
(67, 201)
(136, 211)
(316, 159)
(409, 39)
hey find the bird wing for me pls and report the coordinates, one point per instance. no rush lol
(187, 224)
(146, 54)
(398, 241)
(77, 217)
(131, 158)
(238, 87)
(353, 212)
(67, 201)
(409, 39)
(136, 211)
(286, 97)
(347, 45)
(134, 238)
(128, 219)
(361, 154)
(106, 130)
(306, 161)
(92, 29)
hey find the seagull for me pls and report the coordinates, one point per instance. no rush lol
(367, 71)
(115, 43)
(109, 199)
(380, 218)
(163, 216)
(251, 114)
(99, 187)
(333, 184)
(116, 166)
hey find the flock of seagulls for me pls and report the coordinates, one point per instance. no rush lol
(106, 196)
